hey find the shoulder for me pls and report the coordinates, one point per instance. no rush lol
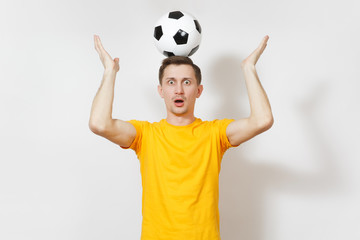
(217, 125)
(221, 122)
(143, 124)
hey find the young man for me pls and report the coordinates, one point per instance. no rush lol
(180, 156)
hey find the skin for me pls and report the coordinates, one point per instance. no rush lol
(261, 118)
(179, 82)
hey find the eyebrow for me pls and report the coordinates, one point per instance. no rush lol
(172, 78)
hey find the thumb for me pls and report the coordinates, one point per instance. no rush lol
(116, 60)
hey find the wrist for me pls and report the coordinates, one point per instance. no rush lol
(250, 67)
(108, 71)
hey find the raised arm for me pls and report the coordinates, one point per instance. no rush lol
(101, 121)
(261, 118)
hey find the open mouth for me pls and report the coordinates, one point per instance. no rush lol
(179, 102)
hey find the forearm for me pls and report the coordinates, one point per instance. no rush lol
(259, 102)
(101, 110)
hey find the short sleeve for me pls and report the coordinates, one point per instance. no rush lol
(136, 144)
(224, 141)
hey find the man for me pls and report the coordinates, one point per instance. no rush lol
(180, 156)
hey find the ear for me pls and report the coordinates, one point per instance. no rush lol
(200, 89)
(160, 91)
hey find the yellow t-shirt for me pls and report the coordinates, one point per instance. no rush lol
(180, 168)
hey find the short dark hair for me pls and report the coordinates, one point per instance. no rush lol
(179, 60)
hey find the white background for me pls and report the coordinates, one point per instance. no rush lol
(299, 180)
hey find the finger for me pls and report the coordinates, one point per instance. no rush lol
(101, 48)
(265, 40)
(100, 44)
(96, 43)
(263, 44)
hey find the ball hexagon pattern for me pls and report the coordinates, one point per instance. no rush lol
(177, 33)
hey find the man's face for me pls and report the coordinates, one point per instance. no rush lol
(179, 89)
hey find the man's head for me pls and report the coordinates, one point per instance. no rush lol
(178, 60)
(179, 85)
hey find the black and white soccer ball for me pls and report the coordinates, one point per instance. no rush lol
(177, 33)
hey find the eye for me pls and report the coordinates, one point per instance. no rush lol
(171, 82)
(187, 82)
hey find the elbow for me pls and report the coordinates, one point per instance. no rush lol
(266, 123)
(96, 128)
(269, 123)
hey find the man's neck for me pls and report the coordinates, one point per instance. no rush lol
(180, 120)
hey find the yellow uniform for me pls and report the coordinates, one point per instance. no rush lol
(180, 168)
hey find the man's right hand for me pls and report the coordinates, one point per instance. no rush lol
(107, 61)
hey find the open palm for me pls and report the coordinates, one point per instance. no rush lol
(255, 55)
(105, 57)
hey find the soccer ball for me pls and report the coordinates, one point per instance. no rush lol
(177, 33)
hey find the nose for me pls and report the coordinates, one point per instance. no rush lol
(179, 89)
